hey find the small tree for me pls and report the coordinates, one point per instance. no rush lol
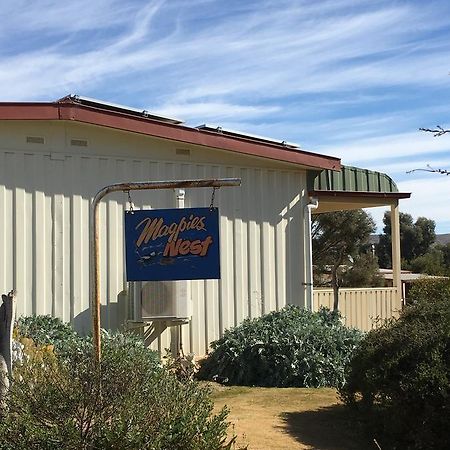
(364, 272)
(435, 262)
(415, 238)
(339, 237)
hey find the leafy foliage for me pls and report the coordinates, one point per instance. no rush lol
(339, 234)
(432, 263)
(47, 330)
(338, 238)
(435, 262)
(445, 249)
(399, 376)
(415, 238)
(183, 366)
(130, 401)
(364, 272)
(425, 291)
(291, 347)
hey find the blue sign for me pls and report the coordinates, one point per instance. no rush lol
(172, 244)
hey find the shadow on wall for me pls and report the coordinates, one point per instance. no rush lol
(330, 428)
(113, 316)
(263, 226)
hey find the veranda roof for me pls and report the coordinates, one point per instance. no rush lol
(352, 188)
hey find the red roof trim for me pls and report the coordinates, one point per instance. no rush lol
(29, 111)
(125, 122)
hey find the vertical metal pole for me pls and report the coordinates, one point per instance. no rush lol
(308, 272)
(95, 277)
(175, 331)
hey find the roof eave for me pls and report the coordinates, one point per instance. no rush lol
(122, 121)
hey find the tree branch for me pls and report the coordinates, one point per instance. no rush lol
(430, 169)
(438, 131)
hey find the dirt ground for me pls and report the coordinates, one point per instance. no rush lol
(289, 419)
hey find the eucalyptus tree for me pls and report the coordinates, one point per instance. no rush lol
(415, 238)
(338, 238)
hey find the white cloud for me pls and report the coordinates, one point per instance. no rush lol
(380, 149)
(378, 213)
(429, 198)
(216, 110)
(54, 17)
(397, 154)
(340, 76)
(260, 53)
(404, 166)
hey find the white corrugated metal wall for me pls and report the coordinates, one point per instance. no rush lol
(44, 209)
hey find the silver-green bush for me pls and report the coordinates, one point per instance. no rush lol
(291, 347)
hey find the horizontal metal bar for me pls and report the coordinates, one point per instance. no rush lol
(145, 185)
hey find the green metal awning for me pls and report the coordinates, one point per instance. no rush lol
(351, 179)
(352, 188)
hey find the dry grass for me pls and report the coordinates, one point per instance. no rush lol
(289, 419)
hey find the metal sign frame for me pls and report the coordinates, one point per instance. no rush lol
(94, 235)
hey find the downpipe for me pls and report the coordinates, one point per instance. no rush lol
(308, 273)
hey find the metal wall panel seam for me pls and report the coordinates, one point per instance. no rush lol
(73, 213)
(229, 213)
(19, 215)
(39, 245)
(3, 227)
(237, 254)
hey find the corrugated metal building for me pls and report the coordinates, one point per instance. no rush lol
(54, 157)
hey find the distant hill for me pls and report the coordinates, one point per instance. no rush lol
(443, 238)
(440, 238)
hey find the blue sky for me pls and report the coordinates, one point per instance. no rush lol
(353, 79)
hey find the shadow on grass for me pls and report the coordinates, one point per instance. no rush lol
(329, 428)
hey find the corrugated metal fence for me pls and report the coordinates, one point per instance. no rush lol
(363, 308)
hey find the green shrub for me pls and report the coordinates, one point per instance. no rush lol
(399, 376)
(425, 290)
(291, 347)
(130, 402)
(47, 330)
